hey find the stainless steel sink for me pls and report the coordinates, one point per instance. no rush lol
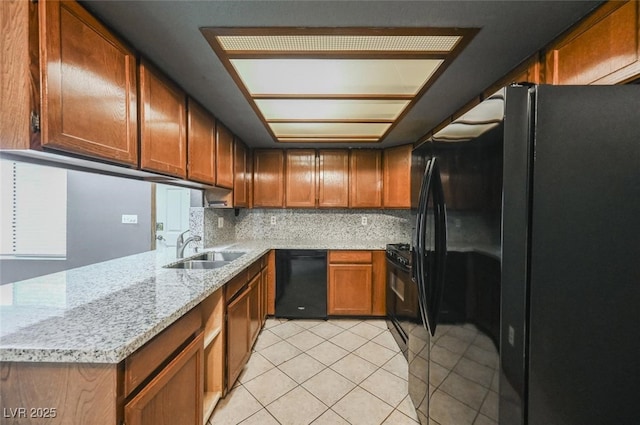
(219, 256)
(198, 264)
(208, 260)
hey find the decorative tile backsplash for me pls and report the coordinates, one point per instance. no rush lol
(296, 224)
(335, 224)
(204, 222)
(464, 228)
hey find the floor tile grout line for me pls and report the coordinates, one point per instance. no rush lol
(324, 366)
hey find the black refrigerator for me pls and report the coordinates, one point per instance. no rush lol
(428, 262)
(558, 342)
(570, 347)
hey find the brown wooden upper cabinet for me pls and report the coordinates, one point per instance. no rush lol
(333, 178)
(241, 175)
(224, 157)
(603, 49)
(365, 175)
(397, 177)
(201, 160)
(300, 186)
(268, 178)
(163, 124)
(88, 85)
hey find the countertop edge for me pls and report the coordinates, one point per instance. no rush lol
(114, 355)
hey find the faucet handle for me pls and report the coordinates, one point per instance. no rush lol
(180, 239)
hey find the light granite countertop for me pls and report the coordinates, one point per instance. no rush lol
(103, 312)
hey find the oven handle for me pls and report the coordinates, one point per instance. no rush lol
(402, 267)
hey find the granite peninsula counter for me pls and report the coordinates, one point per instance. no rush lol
(103, 312)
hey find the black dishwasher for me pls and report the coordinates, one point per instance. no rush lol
(301, 283)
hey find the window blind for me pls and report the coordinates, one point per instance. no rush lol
(34, 210)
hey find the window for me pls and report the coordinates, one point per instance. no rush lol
(33, 216)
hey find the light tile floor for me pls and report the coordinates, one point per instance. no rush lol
(334, 372)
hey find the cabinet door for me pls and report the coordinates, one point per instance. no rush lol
(268, 178)
(163, 122)
(271, 283)
(224, 156)
(88, 85)
(174, 396)
(365, 179)
(397, 177)
(254, 309)
(379, 284)
(333, 178)
(237, 337)
(201, 164)
(602, 49)
(349, 290)
(240, 175)
(264, 282)
(301, 178)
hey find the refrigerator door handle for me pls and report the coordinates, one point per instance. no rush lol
(420, 252)
(440, 228)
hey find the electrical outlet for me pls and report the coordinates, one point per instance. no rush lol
(364, 220)
(273, 220)
(129, 219)
(220, 222)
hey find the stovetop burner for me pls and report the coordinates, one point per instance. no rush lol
(399, 253)
(400, 246)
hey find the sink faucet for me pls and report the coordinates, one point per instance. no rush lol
(181, 243)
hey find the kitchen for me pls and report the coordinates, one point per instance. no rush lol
(262, 174)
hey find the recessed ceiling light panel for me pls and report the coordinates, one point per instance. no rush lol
(306, 129)
(331, 109)
(334, 76)
(334, 84)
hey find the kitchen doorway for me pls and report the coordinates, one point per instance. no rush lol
(171, 214)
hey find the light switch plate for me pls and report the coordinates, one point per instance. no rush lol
(220, 222)
(129, 219)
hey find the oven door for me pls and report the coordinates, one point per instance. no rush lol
(402, 304)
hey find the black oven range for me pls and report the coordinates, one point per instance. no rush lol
(403, 312)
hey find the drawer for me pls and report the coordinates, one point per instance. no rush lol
(234, 285)
(254, 269)
(141, 364)
(350, 257)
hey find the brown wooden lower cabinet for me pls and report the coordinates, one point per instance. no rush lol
(213, 308)
(264, 293)
(64, 393)
(255, 323)
(238, 349)
(174, 396)
(245, 316)
(349, 289)
(356, 283)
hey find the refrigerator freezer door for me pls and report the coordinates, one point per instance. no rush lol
(584, 365)
(570, 269)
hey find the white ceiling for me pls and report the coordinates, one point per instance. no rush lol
(168, 33)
